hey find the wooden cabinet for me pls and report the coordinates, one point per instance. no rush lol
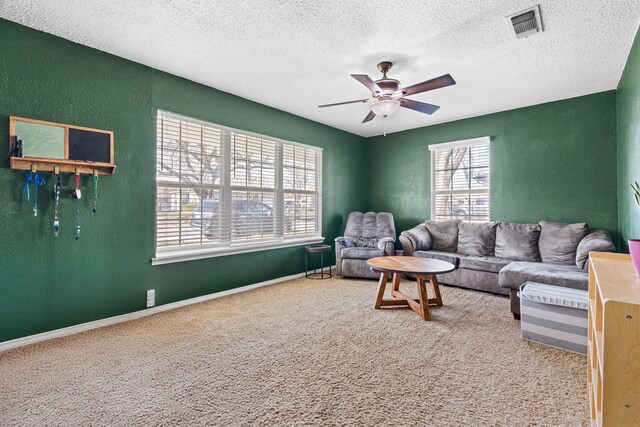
(613, 357)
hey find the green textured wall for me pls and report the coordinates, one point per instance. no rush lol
(628, 114)
(553, 161)
(48, 283)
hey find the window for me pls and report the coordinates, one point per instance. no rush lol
(460, 185)
(222, 191)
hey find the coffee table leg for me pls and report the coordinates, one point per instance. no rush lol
(424, 300)
(436, 290)
(384, 276)
(396, 281)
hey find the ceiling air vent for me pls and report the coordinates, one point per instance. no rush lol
(525, 23)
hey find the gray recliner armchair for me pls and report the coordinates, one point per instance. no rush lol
(367, 235)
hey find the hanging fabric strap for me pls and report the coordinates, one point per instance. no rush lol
(26, 195)
(95, 192)
(56, 194)
(38, 181)
(77, 235)
(77, 195)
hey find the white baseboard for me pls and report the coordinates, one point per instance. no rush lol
(57, 333)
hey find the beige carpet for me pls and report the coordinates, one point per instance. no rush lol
(305, 352)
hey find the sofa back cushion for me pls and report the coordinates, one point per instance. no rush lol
(370, 225)
(444, 234)
(517, 241)
(476, 238)
(559, 242)
(596, 240)
(361, 253)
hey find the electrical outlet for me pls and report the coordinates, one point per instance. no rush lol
(151, 298)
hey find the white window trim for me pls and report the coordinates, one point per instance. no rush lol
(179, 254)
(168, 256)
(444, 145)
(463, 142)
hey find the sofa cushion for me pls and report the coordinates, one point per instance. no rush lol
(558, 242)
(476, 238)
(451, 257)
(473, 279)
(597, 240)
(489, 264)
(419, 236)
(370, 224)
(366, 242)
(517, 273)
(361, 253)
(517, 241)
(358, 268)
(444, 234)
(347, 242)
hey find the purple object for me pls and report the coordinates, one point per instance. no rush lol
(634, 248)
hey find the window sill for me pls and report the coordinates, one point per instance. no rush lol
(180, 255)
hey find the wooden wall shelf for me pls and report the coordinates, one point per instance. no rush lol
(64, 166)
(69, 148)
(613, 357)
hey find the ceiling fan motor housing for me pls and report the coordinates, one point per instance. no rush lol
(388, 86)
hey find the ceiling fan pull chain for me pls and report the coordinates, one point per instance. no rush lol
(384, 125)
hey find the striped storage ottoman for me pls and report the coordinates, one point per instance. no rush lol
(554, 316)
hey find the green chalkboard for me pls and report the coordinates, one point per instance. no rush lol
(40, 140)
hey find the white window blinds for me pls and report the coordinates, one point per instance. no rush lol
(460, 186)
(221, 188)
(302, 176)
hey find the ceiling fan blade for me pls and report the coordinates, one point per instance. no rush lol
(437, 83)
(369, 117)
(422, 107)
(366, 80)
(342, 103)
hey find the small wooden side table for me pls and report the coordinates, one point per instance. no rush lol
(423, 268)
(314, 249)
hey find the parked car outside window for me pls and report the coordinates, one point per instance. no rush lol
(247, 218)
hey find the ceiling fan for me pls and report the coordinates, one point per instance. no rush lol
(386, 97)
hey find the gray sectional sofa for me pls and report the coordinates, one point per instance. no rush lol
(498, 257)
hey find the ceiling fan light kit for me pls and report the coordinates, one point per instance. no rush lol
(385, 107)
(386, 96)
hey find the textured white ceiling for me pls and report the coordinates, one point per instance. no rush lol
(294, 55)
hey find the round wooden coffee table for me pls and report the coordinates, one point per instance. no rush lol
(423, 268)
